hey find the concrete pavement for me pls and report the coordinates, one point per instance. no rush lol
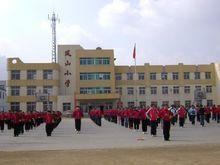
(110, 135)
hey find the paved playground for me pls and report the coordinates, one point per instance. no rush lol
(108, 136)
(111, 144)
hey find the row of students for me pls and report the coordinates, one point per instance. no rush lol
(20, 121)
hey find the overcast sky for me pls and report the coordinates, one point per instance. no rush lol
(165, 31)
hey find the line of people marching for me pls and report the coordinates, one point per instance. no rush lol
(26, 121)
(152, 116)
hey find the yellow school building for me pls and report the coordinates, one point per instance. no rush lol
(90, 78)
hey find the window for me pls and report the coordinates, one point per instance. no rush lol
(129, 76)
(95, 61)
(186, 76)
(176, 90)
(209, 89)
(209, 102)
(165, 90)
(187, 89)
(141, 90)
(48, 89)
(31, 106)
(15, 74)
(152, 76)
(176, 103)
(15, 90)
(15, 106)
(142, 104)
(106, 61)
(47, 74)
(140, 76)
(31, 74)
(153, 90)
(198, 88)
(95, 90)
(207, 75)
(165, 103)
(31, 90)
(119, 90)
(95, 76)
(66, 106)
(130, 90)
(175, 75)
(154, 103)
(47, 105)
(131, 104)
(197, 75)
(187, 103)
(118, 76)
(164, 76)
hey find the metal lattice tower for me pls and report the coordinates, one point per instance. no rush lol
(53, 20)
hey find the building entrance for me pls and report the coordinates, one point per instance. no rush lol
(86, 107)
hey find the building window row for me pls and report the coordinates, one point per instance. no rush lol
(95, 61)
(32, 74)
(188, 103)
(165, 90)
(95, 90)
(164, 76)
(95, 76)
(31, 106)
(31, 90)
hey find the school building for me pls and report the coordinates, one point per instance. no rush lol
(90, 78)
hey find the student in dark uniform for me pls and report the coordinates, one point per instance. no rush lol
(202, 115)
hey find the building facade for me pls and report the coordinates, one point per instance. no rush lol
(3, 102)
(89, 78)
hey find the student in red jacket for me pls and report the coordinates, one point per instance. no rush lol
(2, 118)
(166, 115)
(143, 120)
(49, 123)
(15, 123)
(218, 113)
(136, 118)
(77, 115)
(182, 114)
(207, 114)
(152, 113)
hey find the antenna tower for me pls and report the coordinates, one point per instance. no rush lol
(54, 18)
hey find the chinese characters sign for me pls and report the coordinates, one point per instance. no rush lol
(67, 72)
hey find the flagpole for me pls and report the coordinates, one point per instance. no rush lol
(135, 73)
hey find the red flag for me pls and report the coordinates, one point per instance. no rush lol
(134, 52)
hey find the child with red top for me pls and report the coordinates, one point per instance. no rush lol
(77, 114)
(182, 114)
(166, 115)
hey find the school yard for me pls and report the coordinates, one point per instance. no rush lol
(111, 144)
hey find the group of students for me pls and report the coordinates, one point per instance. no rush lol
(25, 121)
(152, 116)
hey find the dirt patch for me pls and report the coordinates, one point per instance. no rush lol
(195, 154)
